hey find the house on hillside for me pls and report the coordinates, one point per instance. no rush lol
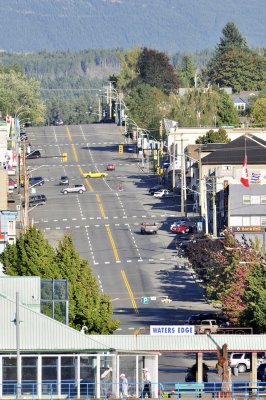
(242, 100)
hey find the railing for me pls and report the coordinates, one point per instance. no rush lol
(110, 390)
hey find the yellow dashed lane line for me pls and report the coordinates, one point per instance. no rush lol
(134, 304)
(106, 227)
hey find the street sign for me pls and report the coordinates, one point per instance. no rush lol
(145, 300)
(153, 298)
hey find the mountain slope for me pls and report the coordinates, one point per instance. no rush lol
(169, 25)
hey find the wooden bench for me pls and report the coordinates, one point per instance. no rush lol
(193, 388)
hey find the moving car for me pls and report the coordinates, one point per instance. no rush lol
(179, 222)
(34, 154)
(110, 167)
(74, 189)
(36, 181)
(37, 200)
(64, 180)
(163, 193)
(149, 227)
(94, 174)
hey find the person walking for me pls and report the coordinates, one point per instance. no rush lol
(147, 383)
(124, 386)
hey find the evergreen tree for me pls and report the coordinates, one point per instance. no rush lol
(87, 306)
(231, 40)
(32, 255)
(186, 72)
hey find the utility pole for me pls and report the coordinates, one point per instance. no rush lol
(183, 180)
(173, 182)
(110, 100)
(26, 189)
(17, 322)
(214, 216)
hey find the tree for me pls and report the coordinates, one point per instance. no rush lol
(231, 40)
(147, 107)
(87, 306)
(258, 112)
(234, 64)
(186, 72)
(212, 136)
(155, 70)
(129, 70)
(241, 70)
(255, 299)
(18, 92)
(32, 255)
(226, 112)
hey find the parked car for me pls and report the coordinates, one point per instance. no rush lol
(94, 174)
(163, 193)
(34, 154)
(64, 180)
(74, 189)
(241, 361)
(110, 167)
(181, 229)
(36, 181)
(261, 372)
(37, 200)
(149, 227)
(155, 188)
(179, 222)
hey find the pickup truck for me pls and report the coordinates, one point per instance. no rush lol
(207, 326)
(149, 227)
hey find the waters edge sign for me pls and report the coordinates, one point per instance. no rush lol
(172, 330)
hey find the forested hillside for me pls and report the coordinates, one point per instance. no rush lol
(168, 25)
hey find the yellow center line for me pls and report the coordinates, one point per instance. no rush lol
(129, 291)
(74, 152)
(106, 226)
(108, 230)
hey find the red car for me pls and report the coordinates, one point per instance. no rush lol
(179, 229)
(110, 167)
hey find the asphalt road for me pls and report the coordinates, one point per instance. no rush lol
(105, 224)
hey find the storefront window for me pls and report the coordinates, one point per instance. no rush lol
(88, 376)
(29, 375)
(49, 375)
(9, 375)
(68, 376)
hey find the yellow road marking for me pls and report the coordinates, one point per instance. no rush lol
(112, 243)
(74, 152)
(134, 304)
(107, 227)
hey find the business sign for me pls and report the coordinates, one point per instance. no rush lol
(247, 228)
(172, 330)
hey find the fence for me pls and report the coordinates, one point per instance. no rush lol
(111, 390)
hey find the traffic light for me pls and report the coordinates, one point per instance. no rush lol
(64, 157)
(120, 148)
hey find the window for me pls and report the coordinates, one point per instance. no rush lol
(246, 221)
(246, 199)
(255, 199)
(263, 199)
(11, 228)
(263, 220)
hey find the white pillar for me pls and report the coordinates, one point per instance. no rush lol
(39, 376)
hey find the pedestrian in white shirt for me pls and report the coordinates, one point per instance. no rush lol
(147, 383)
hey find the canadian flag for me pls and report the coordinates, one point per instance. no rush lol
(244, 175)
